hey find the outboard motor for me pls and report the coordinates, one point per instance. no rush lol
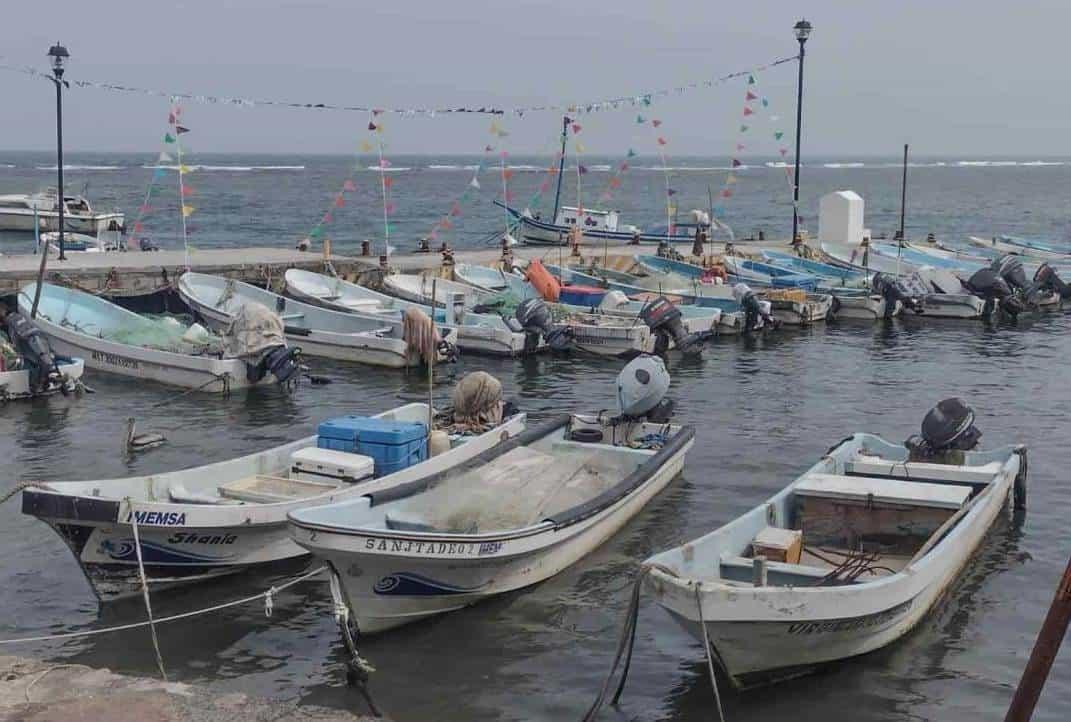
(753, 310)
(535, 319)
(36, 353)
(663, 317)
(641, 390)
(278, 360)
(988, 285)
(891, 289)
(1047, 279)
(947, 431)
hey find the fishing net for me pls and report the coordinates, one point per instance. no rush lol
(253, 329)
(166, 332)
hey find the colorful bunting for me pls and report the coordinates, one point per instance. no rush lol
(778, 135)
(640, 119)
(349, 186)
(339, 201)
(631, 153)
(181, 129)
(661, 140)
(475, 183)
(743, 128)
(164, 158)
(748, 111)
(168, 138)
(576, 128)
(671, 192)
(736, 163)
(750, 96)
(187, 211)
(581, 169)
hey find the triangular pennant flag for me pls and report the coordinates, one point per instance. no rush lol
(349, 186)
(371, 125)
(748, 110)
(640, 119)
(784, 152)
(730, 179)
(158, 173)
(671, 192)
(750, 96)
(316, 232)
(184, 169)
(661, 140)
(180, 129)
(507, 174)
(631, 153)
(475, 182)
(168, 138)
(379, 128)
(389, 208)
(388, 181)
(726, 193)
(544, 186)
(164, 158)
(576, 128)
(366, 147)
(751, 80)
(187, 211)
(765, 102)
(656, 123)
(145, 208)
(778, 135)
(579, 147)
(615, 182)
(487, 149)
(623, 167)
(455, 209)
(736, 163)
(171, 118)
(339, 201)
(185, 190)
(503, 154)
(327, 217)
(743, 128)
(568, 120)
(138, 227)
(739, 146)
(581, 170)
(384, 163)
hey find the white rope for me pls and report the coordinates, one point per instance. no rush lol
(145, 589)
(164, 620)
(269, 602)
(706, 648)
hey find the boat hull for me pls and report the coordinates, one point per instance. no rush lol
(188, 543)
(390, 580)
(16, 384)
(867, 308)
(92, 224)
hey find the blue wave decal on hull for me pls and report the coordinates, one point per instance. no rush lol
(414, 585)
(123, 550)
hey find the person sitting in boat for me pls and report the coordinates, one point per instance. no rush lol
(753, 308)
(700, 241)
(635, 238)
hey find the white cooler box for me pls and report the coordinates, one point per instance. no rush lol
(327, 465)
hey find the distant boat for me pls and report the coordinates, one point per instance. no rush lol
(596, 225)
(20, 212)
(1021, 247)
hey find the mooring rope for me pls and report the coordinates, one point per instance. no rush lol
(358, 668)
(174, 617)
(224, 378)
(17, 488)
(145, 589)
(706, 650)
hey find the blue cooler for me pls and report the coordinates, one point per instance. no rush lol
(393, 445)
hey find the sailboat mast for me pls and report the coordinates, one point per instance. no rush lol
(561, 169)
(903, 196)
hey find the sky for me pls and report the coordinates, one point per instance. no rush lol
(950, 77)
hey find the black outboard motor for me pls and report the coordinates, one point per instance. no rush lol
(663, 317)
(891, 289)
(36, 353)
(988, 285)
(278, 360)
(534, 317)
(752, 307)
(947, 431)
(1047, 279)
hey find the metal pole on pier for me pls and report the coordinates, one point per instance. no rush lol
(58, 55)
(803, 30)
(1047, 645)
(903, 199)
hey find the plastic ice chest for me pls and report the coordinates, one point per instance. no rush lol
(393, 445)
(581, 295)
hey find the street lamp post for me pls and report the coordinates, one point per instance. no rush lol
(803, 30)
(58, 56)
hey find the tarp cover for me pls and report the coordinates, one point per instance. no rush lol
(254, 329)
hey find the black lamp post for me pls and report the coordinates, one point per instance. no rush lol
(58, 55)
(803, 30)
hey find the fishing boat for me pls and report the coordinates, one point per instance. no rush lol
(512, 517)
(1021, 247)
(739, 271)
(199, 523)
(26, 212)
(476, 332)
(28, 365)
(597, 226)
(17, 383)
(847, 559)
(862, 259)
(369, 339)
(832, 276)
(418, 289)
(112, 339)
(83, 242)
(492, 280)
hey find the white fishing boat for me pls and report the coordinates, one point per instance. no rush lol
(370, 339)
(795, 307)
(24, 212)
(17, 384)
(418, 289)
(848, 558)
(110, 338)
(203, 522)
(83, 242)
(482, 333)
(1020, 247)
(492, 280)
(512, 517)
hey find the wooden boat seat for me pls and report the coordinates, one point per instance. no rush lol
(885, 492)
(865, 465)
(179, 494)
(734, 568)
(261, 489)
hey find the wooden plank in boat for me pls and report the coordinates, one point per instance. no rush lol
(882, 491)
(876, 466)
(272, 489)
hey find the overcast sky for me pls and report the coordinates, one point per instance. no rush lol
(952, 77)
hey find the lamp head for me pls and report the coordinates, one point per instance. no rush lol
(803, 30)
(58, 56)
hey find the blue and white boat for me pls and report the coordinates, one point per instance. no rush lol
(598, 226)
(745, 272)
(1021, 247)
(833, 276)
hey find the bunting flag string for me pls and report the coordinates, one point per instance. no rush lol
(375, 125)
(642, 99)
(173, 137)
(338, 200)
(660, 144)
(158, 172)
(506, 175)
(615, 180)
